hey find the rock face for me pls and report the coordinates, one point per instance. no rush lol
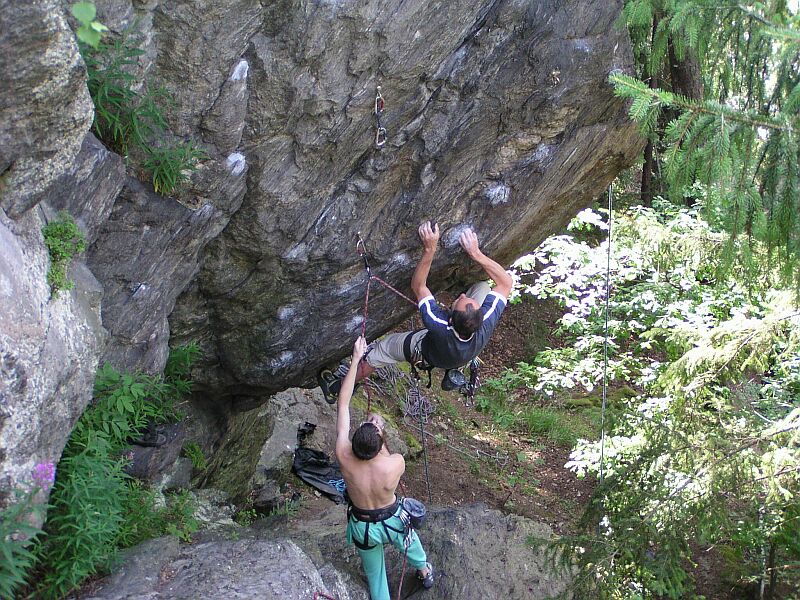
(45, 108)
(49, 348)
(477, 553)
(498, 117)
(146, 254)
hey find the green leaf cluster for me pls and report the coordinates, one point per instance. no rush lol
(145, 518)
(17, 536)
(90, 31)
(131, 120)
(707, 452)
(740, 140)
(194, 452)
(64, 241)
(171, 165)
(95, 507)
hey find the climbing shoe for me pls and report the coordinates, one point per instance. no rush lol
(330, 382)
(427, 580)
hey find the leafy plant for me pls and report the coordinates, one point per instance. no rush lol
(194, 452)
(127, 119)
(171, 166)
(696, 455)
(17, 533)
(246, 517)
(83, 521)
(123, 117)
(144, 519)
(90, 31)
(95, 507)
(717, 94)
(64, 241)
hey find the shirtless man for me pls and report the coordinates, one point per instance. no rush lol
(372, 473)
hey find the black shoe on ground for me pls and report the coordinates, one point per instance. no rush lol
(427, 581)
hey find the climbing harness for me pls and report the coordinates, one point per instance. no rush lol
(380, 130)
(605, 346)
(411, 514)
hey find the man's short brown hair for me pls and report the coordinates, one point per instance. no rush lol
(367, 441)
(466, 322)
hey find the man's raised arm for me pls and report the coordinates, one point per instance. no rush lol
(429, 234)
(503, 281)
(345, 394)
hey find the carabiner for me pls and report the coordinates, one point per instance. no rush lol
(380, 136)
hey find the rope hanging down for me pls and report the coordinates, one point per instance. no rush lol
(415, 400)
(362, 250)
(605, 343)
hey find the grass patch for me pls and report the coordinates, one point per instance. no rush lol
(64, 241)
(560, 425)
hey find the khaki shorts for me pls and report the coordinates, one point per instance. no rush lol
(389, 349)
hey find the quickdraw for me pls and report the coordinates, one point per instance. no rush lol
(380, 130)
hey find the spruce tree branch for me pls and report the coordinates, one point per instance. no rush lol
(629, 87)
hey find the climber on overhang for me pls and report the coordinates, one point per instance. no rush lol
(451, 337)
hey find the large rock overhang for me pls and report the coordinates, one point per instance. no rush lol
(499, 117)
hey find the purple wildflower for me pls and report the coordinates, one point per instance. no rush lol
(44, 474)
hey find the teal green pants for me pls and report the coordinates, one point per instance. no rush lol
(373, 559)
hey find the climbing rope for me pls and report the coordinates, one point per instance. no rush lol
(416, 402)
(380, 130)
(422, 420)
(500, 458)
(605, 345)
(318, 595)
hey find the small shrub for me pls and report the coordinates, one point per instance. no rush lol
(194, 452)
(144, 520)
(95, 507)
(83, 522)
(64, 241)
(171, 165)
(127, 119)
(246, 517)
(123, 117)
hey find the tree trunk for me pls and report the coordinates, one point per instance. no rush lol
(685, 74)
(646, 192)
(686, 80)
(649, 162)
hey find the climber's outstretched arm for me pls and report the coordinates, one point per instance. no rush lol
(429, 234)
(345, 394)
(503, 281)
